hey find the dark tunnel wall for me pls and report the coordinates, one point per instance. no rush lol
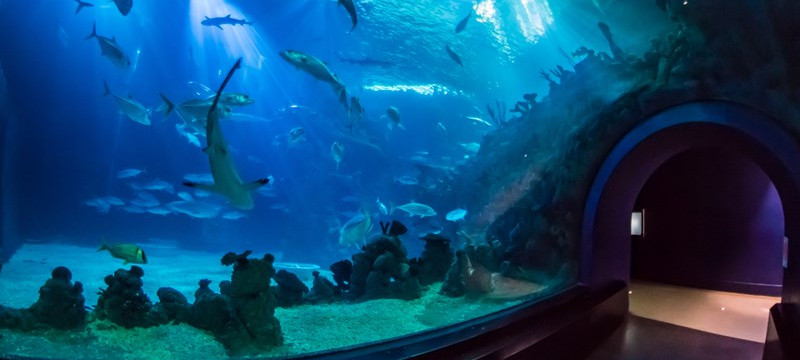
(713, 220)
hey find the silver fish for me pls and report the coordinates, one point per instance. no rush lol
(110, 49)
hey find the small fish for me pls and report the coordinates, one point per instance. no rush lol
(453, 55)
(233, 215)
(406, 180)
(81, 5)
(441, 128)
(337, 152)
(394, 116)
(227, 20)
(159, 185)
(110, 49)
(129, 173)
(456, 215)
(479, 120)
(130, 253)
(416, 209)
(463, 23)
(159, 211)
(296, 135)
(185, 196)
(194, 209)
(124, 6)
(382, 207)
(351, 9)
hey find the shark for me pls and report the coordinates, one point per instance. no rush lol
(223, 171)
(226, 20)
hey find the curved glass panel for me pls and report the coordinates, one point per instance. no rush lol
(369, 169)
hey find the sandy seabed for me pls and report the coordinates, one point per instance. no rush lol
(307, 328)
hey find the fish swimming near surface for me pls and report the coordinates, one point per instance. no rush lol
(415, 209)
(110, 49)
(351, 9)
(316, 68)
(226, 179)
(133, 109)
(463, 23)
(124, 6)
(453, 55)
(337, 152)
(81, 5)
(226, 20)
(355, 230)
(130, 253)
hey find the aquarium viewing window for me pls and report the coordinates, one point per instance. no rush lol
(227, 178)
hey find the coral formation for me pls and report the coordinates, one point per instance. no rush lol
(435, 259)
(124, 302)
(60, 303)
(382, 270)
(290, 290)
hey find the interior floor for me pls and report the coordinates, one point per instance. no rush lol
(678, 323)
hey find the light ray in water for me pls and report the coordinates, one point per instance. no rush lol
(422, 89)
(236, 40)
(486, 12)
(533, 17)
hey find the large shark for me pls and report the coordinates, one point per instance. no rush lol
(110, 49)
(227, 20)
(317, 69)
(226, 179)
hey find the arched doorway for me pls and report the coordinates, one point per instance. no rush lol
(712, 219)
(606, 247)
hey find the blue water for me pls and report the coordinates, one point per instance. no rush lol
(65, 142)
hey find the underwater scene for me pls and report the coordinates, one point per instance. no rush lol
(226, 178)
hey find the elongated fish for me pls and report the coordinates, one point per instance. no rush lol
(226, 179)
(351, 9)
(316, 68)
(463, 23)
(453, 55)
(227, 20)
(110, 49)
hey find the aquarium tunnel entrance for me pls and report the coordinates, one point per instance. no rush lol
(715, 134)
